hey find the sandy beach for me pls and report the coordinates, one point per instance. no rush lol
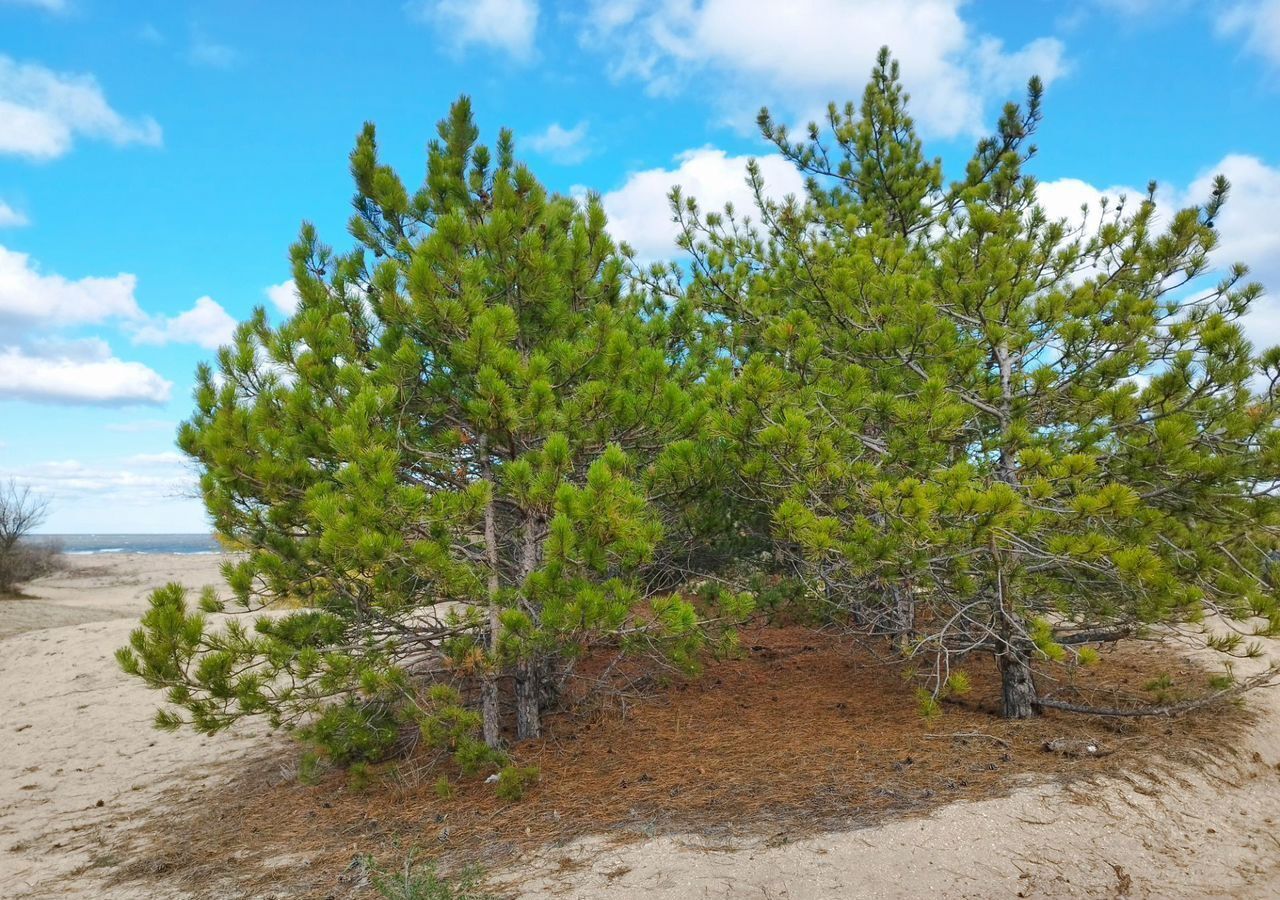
(83, 766)
(82, 762)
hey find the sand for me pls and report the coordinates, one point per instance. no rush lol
(77, 732)
(81, 761)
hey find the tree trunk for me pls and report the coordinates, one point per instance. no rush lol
(1008, 457)
(531, 670)
(490, 714)
(489, 710)
(528, 701)
(904, 612)
(1017, 688)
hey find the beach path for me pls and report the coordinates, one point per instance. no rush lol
(81, 762)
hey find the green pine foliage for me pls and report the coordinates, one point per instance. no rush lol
(469, 456)
(979, 429)
(487, 443)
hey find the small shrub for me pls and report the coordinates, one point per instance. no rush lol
(354, 732)
(25, 562)
(359, 775)
(21, 512)
(788, 601)
(1222, 681)
(513, 781)
(957, 684)
(448, 725)
(1163, 689)
(309, 767)
(422, 882)
(444, 788)
(930, 708)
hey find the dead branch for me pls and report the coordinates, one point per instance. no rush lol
(1262, 679)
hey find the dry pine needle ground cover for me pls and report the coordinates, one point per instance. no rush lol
(805, 732)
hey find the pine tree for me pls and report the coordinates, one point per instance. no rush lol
(982, 430)
(453, 458)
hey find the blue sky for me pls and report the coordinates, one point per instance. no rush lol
(157, 158)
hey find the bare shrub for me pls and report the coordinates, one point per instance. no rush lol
(22, 560)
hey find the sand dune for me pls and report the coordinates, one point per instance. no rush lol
(82, 766)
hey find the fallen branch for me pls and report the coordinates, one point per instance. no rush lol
(969, 734)
(1262, 679)
(1097, 636)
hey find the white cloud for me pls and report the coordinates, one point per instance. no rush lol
(42, 112)
(40, 365)
(1005, 74)
(167, 458)
(1258, 23)
(29, 297)
(564, 145)
(284, 296)
(72, 480)
(798, 56)
(1248, 227)
(507, 25)
(83, 374)
(11, 218)
(206, 324)
(1063, 198)
(640, 214)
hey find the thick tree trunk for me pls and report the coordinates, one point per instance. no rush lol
(1018, 690)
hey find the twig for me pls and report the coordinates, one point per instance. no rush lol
(969, 734)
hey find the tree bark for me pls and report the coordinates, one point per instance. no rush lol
(489, 709)
(528, 701)
(904, 612)
(1008, 462)
(531, 669)
(1018, 690)
(1013, 658)
(1017, 686)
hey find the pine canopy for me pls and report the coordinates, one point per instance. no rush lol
(487, 442)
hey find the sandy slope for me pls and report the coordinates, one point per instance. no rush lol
(80, 760)
(1213, 839)
(74, 731)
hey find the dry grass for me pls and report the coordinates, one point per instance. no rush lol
(806, 733)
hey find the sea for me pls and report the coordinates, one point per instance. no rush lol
(131, 543)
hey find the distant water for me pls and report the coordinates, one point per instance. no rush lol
(132, 543)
